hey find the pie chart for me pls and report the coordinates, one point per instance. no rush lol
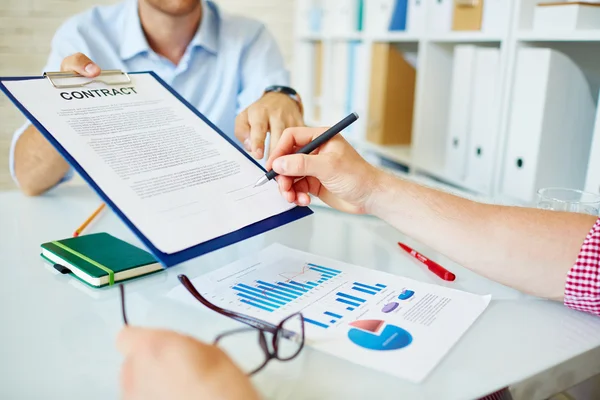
(389, 307)
(374, 334)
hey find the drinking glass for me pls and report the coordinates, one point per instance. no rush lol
(570, 200)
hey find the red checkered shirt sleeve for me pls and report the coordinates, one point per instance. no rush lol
(582, 290)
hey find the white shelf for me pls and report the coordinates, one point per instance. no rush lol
(310, 37)
(392, 37)
(313, 37)
(464, 37)
(400, 154)
(574, 36)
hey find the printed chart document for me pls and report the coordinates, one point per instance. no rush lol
(172, 175)
(392, 324)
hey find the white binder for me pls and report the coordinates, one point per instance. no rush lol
(378, 15)
(460, 111)
(416, 18)
(483, 120)
(439, 16)
(496, 15)
(592, 182)
(343, 17)
(304, 76)
(339, 84)
(550, 125)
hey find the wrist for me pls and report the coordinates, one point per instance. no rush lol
(289, 93)
(384, 189)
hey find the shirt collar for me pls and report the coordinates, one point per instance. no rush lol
(207, 35)
(134, 41)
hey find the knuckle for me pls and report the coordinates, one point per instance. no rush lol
(80, 58)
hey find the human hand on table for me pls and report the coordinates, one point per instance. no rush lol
(166, 365)
(335, 172)
(273, 112)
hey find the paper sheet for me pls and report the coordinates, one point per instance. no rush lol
(389, 323)
(176, 178)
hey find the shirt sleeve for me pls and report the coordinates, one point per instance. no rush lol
(61, 48)
(262, 65)
(582, 289)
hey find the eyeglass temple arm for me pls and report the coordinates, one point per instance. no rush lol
(253, 322)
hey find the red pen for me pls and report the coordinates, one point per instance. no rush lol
(433, 266)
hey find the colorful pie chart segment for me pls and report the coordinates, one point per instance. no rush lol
(406, 294)
(377, 335)
(390, 307)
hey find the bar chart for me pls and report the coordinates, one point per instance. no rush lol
(353, 301)
(272, 295)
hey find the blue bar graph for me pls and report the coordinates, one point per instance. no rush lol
(269, 296)
(256, 305)
(334, 315)
(335, 271)
(317, 323)
(351, 297)
(255, 300)
(373, 288)
(271, 290)
(363, 290)
(349, 308)
(285, 290)
(348, 302)
(332, 321)
(381, 286)
(293, 287)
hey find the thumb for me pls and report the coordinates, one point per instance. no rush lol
(302, 165)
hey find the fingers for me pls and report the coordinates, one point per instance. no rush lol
(259, 124)
(276, 128)
(302, 165)
(80, 64)
(291, 139)
(242, 130)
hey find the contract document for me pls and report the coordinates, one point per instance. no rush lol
(182, 185)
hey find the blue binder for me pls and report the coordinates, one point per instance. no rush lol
(398, 22)
(167, 260)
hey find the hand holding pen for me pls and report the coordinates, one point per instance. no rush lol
(314, 144)
(335, 172)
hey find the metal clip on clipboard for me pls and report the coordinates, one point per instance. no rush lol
(108, 77)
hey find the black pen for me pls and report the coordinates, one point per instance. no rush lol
(314, 144)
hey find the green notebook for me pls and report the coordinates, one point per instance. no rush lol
(99, 259)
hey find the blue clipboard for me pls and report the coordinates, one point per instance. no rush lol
(167, 260)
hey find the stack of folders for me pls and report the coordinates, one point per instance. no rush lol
(385, 97)
(473, 116)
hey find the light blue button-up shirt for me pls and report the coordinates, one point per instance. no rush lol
(225, 68)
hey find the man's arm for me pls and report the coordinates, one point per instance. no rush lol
(529, 249)
(37, 165)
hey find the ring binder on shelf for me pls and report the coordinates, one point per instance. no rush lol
(108, 77)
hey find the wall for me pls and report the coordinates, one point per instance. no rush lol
(27, 26)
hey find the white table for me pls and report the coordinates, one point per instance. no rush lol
(57, 336)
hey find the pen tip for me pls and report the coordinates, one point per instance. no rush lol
(355, 114)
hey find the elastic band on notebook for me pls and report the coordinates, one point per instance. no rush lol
(111, 273)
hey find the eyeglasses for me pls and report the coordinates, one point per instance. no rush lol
(283, 341)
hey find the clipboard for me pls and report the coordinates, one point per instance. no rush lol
(62, 80)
